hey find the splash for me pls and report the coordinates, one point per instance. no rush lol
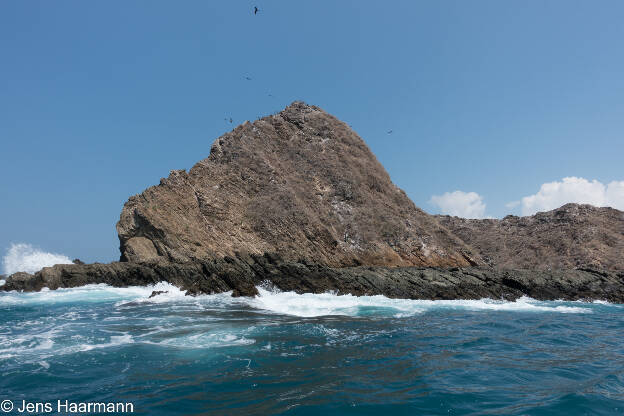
(24, 257)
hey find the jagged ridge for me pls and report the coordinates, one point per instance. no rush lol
(572, 236)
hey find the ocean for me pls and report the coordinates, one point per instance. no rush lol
(326, 354)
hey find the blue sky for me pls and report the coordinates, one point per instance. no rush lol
(98, 100)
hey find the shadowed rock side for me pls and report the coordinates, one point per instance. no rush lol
(241, 275)
(300, 184)
(565, 238)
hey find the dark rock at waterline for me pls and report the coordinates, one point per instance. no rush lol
(157, 292)
(77, 261)
(21, 281)
(241, 274)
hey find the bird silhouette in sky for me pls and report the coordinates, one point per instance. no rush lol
(256, 10)
(248, 78)
(389, 131)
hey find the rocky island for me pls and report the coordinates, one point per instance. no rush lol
(297, 199)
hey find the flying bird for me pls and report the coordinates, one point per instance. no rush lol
(389, 131)
(248, 78)
(255, 10)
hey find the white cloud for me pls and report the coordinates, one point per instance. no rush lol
(572, 189)
(460, 204)
(25, 258)
(512, 204)
(615, 194)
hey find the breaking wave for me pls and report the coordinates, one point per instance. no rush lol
(24, 257)
(40, 328)
(285, 303)
(310, 305)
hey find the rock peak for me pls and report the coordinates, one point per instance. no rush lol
(300, 184)
(298, 105)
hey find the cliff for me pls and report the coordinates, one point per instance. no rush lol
(573, 236)
(299, 184)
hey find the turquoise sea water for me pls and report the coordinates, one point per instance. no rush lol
(310, 354)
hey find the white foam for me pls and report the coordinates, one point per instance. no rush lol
(115, 341)
(27, 343)
(311, 305)
(606, 303)
(24, 257)
(207, 340)
(43, 345)
(287, 303)
(49, 336)
(96, 293)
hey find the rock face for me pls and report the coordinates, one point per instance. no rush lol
(568, 237)
(299, 184)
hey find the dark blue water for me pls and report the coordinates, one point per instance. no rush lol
(311, 354)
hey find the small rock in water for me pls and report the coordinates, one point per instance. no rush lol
(157, 292)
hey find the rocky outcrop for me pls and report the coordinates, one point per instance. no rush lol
(194, 277)
(300, 184)
(298, 200)
(242, 274)
(569, 237)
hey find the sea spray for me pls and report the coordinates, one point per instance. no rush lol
(24, 257)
